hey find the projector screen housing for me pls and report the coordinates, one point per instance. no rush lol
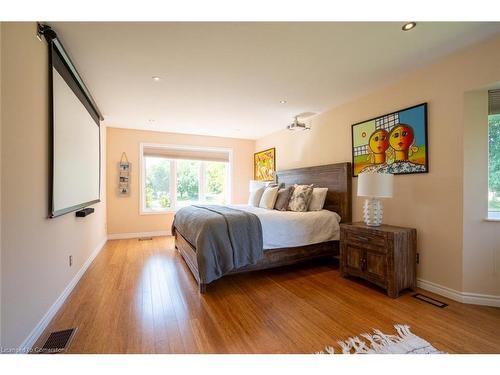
(75, 157)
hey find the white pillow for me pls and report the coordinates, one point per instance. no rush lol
(254, 198)
(254, 185)
(318, 199)
(269, 198)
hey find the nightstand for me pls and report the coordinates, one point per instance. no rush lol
(384, 255)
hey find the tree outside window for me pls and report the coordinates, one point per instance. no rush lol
(157, 186)
(494, 166)
(188, 181)
(216, 176)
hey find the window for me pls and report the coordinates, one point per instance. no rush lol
(494, 167)
(177, 177)
(494, 155)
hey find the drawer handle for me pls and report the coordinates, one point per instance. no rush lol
(362, 238)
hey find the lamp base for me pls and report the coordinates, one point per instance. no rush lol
(372, 212)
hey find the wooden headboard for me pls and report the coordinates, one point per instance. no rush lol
(335, 177)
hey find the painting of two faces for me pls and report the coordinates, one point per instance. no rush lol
(394, 143)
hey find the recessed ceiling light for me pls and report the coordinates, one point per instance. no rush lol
(282, 101)
(408, 26)
(156, 78)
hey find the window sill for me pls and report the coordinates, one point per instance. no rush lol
(493, 216)
(165, 212)
(174, 210)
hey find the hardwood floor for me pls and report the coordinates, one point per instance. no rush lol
(139, 297)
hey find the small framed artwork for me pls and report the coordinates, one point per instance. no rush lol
(124, 176)
(265, 165)
(394, 143)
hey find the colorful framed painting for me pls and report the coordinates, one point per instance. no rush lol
(394, 143)
(265, 165)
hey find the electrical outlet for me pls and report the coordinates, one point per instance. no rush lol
(418, 258)
(70, 260)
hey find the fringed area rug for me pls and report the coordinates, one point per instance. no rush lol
(379, 343)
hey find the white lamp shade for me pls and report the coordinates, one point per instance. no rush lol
(375, 185)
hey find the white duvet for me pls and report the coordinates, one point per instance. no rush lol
(290, 229)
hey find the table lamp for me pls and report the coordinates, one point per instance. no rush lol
(374, 186)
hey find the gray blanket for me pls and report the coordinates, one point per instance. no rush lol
(225, 238)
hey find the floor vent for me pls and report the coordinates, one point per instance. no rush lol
(58, 341)
(430, 300)
(145, 238)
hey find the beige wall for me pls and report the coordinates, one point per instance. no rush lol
(431, 202)
(35, 250)
(481, 246)
(123, 212)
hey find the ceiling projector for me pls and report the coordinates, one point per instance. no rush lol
(297, 125)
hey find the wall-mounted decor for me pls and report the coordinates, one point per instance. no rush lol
(265, 165)
(124, 176)
(394, 143)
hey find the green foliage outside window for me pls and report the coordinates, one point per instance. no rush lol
(215, 177)
(188, 188)
(157, 183)
(494, 163)
(188, 180)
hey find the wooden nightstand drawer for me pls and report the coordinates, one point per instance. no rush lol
(376, 240)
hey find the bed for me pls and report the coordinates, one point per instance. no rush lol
(318, 234)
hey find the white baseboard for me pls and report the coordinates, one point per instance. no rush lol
(123, 236)
(463, 297)
(44, 322)
(481, 299)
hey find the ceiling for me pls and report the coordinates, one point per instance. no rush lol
(227, 79)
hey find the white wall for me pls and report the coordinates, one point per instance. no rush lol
(35, 250)
(481, 243)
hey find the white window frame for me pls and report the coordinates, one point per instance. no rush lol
(173, 173)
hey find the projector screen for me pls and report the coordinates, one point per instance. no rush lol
(75, 139)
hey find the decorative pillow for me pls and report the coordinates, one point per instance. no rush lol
(254, 185)
(300, 198)
(283, 198)
(274, 184)
(254, 198)
(269, 198)
(317, 199)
